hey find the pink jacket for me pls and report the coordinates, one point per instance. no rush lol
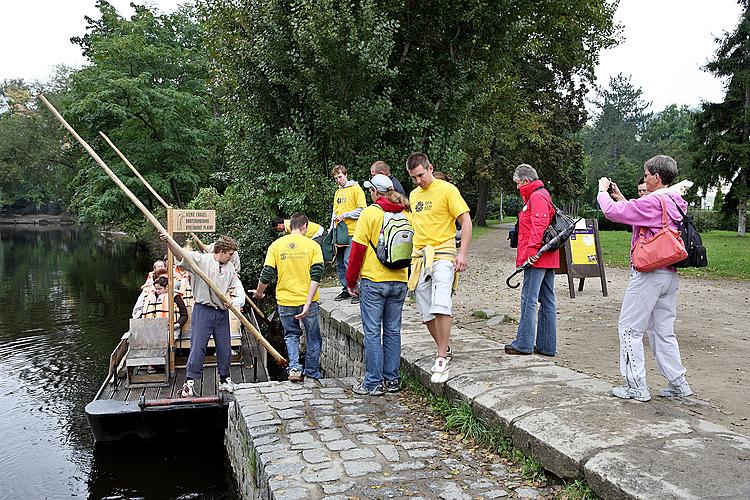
(643, 212)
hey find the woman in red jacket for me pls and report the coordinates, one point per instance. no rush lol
(539, 279)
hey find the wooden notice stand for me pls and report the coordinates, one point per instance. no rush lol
(581, 256)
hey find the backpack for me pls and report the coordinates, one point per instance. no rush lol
(560, 222)
(696, 252)
(395, 241)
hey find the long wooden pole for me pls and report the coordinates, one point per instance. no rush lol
(136, 172)
(154, 221)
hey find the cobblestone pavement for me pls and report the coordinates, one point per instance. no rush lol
(319, 440)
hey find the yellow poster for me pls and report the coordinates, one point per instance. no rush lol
(583, 247)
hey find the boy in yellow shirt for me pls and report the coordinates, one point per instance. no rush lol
(348, 203)
(298, 261)
(281, 225)
(436, 206)
(382, 290)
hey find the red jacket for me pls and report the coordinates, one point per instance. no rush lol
(532, 221)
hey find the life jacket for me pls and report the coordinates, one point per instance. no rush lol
(155, 308)
(186, 289)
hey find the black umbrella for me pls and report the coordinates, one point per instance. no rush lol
(552, 244)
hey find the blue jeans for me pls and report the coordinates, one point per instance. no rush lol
(538, 287)
(380, 306)
(209, 321)
(342, 260)
(293, 332)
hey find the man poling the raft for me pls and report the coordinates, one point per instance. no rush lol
(221, 296)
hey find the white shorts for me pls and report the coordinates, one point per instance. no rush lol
(434, 292)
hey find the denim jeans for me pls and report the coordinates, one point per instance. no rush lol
(342, 260)
(538, 287)
(208, 321)
(380, 305)
(293, 332)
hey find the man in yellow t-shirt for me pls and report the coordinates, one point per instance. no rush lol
(314, 231)
(348, 203)
(436, 206)
(298, 261)
(382, 290)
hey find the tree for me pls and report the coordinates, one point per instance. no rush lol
(614, 143)
(722, 132)
(36, 161)
(147, 87)
(670, 132)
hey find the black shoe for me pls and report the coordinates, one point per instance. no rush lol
(342, 296)
(537, 351)
(510, 350)
(355, 300)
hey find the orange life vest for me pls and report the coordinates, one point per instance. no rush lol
(156, 307)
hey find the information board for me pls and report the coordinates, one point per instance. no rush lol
(200, 221)
(581, 256)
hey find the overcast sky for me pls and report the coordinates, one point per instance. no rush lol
(665, 42)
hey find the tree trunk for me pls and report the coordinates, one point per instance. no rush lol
(742, 216)
(176, 193)
(480, 216)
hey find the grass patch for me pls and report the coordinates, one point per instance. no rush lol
(578, 490)
(479, 231)
(728, 254)
(460, 418)
(252, 463)
(479, 314)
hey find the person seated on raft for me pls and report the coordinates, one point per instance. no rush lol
(155, 305)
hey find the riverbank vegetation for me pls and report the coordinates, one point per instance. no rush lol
(246, 109)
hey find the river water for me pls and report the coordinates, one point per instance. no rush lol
(66, 293)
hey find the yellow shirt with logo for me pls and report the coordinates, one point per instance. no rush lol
(434, 213)
(292, 256)
(368, 229)
(347, 199)
(312, 228)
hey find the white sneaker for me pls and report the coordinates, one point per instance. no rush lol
(682, 390)
(227, 385)
(187, 389)
(641, 394)
(440, 371)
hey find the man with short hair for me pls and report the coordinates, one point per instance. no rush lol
(281, 225)
(381, 167)
(210, 314)
(642, 189)
(436, 206)
(298, 262)
(348, 203)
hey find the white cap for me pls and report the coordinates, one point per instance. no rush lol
(382, 183)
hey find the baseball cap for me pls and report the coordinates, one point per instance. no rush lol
(380, 182)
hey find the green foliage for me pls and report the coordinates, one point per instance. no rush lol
(147, 87)
(722, 131)
(578, 490)
(36, 162)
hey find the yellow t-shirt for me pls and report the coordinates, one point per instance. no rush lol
(368, 229)
(292, 256)
(347, 199)
(312, 228)
(434, 211)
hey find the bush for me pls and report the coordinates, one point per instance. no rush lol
(706, 220)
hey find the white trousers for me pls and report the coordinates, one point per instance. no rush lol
(650, 301)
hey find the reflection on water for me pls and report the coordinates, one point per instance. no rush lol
(65, 297)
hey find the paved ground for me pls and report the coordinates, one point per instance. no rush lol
(712, 328)
(319, 440)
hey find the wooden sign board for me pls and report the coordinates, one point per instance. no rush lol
(581, 257)
(199, 221)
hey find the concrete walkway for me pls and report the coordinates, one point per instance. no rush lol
(567, 421)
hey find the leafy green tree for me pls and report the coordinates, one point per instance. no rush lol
(36, 161)
(614, 143)
(147, 87)
(670, 132)
(723, 129)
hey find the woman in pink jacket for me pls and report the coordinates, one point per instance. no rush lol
(539, 279)
(651, 298)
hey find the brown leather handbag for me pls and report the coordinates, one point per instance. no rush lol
(663, 249)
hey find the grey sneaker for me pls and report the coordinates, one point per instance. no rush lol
(632, 393)
(227, 385)
(364, 391)
(682, 390)
(392, 385)
(295, 375)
